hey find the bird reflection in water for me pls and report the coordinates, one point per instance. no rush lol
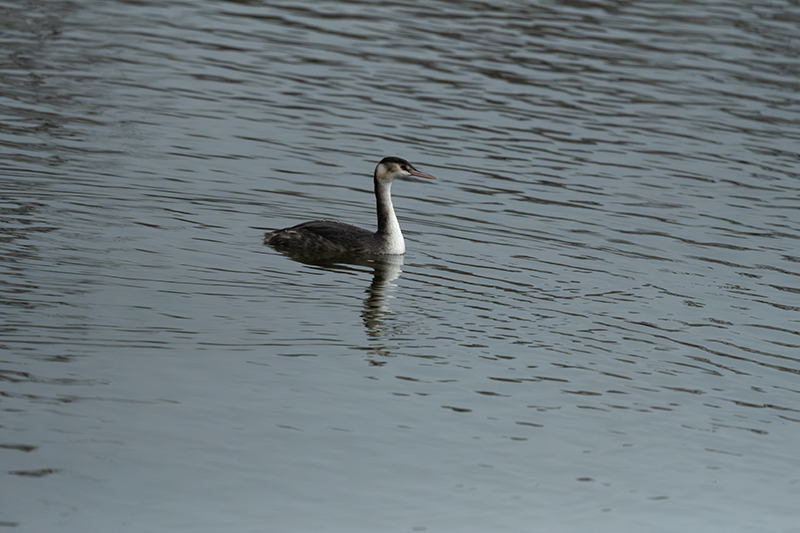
(385, 269)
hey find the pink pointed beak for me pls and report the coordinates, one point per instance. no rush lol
(417, 173)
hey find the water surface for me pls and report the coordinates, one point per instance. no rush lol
(595, 325)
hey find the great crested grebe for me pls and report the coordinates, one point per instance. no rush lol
(326, 236)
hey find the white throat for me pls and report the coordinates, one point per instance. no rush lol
(388, 226)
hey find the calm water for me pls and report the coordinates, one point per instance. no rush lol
(596, 326)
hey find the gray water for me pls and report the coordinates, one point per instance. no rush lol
(595, 327)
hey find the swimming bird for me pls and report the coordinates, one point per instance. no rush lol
(330, 237)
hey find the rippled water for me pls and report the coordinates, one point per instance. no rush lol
(595, 326)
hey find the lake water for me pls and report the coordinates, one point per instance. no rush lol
(596, 326)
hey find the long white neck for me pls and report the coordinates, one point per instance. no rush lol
(388, 226)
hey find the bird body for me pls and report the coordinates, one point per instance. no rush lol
(333, 237)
